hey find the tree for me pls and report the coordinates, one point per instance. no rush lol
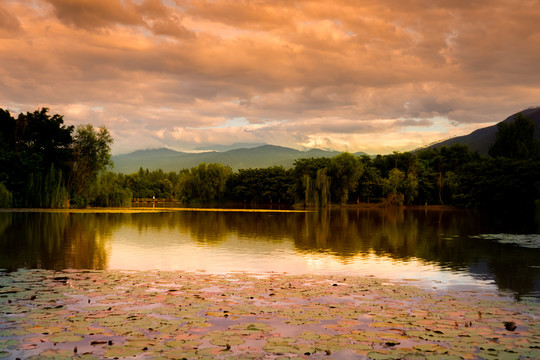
(107, 190)
(441, 168)
(370, 182)
(91, 155)
(515, 139)
(203, 182)
(345, 171)
(394, 182)
(270, 185)
(410, 188)
(46, 190)
(312, 180)
(30, 146)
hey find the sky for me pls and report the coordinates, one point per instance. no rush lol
(348, 75)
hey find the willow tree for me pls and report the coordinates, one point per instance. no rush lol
(345, 170)
(46, 190)
(91, 150)
(203, 182)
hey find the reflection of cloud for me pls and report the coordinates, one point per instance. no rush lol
(304, 70)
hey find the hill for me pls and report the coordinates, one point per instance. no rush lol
(258, 157)
(481, 139)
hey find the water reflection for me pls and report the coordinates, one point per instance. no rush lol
(394, 243)
(53, 241)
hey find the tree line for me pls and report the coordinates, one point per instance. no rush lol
(46, 164)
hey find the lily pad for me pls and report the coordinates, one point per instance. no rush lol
(121, 351)
(65, 338)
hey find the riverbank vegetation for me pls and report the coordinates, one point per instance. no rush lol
(44, 163)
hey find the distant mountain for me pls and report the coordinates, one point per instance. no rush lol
(481, 139)
(259, 157)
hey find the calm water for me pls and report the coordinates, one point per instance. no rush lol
(442, 249)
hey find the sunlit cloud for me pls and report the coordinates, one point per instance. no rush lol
(357, 76)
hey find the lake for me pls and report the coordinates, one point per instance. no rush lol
(444, 249)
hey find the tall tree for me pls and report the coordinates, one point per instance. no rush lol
(345, 170)
(91, 155)
(306, 172)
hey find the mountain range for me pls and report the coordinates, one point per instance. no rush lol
(245, 156)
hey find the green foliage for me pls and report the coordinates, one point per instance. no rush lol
(312, 182)
(91, 155)
(393, 186)
(147, 184)
(43, 165)
(515, 139)
(370, 182)
(441, 169)
(6, 198)
(46, 190)
(203, 183)
(263, 186)
(410, 188)
(108, 191)
(500, 184)
(345, 170)
(29, 145)
(322, 187)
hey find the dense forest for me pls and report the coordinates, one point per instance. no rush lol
(44, 163)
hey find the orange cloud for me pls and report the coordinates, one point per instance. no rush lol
(299, 72)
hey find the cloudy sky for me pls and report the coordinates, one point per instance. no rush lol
(356, 75)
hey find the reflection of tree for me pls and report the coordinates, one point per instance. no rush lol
(213, 227)
(54, 240)
(433, 236)
(63, 240)
(206, 227)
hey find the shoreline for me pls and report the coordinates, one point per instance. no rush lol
(175, 314)
(361, 206)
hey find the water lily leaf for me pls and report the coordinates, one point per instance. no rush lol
(358, 315)
(211, 351)
(57, 354)
(375, 355)
(87, 357)
(414, 357)
(181, 354)
(65, 338)
(427, 347)
(279, 349)
(443, 357)
(359, 347)
(121, 351)
(13, 332)
(4, 344)
(195, 319)
(505, 355)
(227, 340)
(309, 335)
(183, 343)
